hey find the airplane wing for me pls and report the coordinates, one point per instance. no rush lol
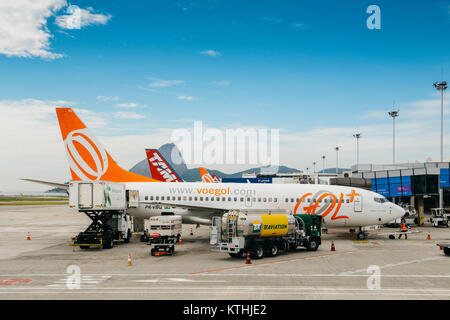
(48, 183)
(212, 210)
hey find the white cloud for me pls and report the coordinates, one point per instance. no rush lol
(298, 25)
(78, 18)
(189, 98)
(104, 98)
(23, 27)
(160, 83)
(128, 115)
(211, 53)
(127, 105)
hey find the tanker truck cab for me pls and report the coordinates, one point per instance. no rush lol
(238, 232)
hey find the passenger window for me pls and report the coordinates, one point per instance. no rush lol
(156, 198)
(218, 199)
(309, 199)
(254, 200)
(297, 200)
(212, 198)
(184, 198)
(206, 198)
(229, 199)
(348, 201)
(259, 199)
(292, 199)
(173, 198)
(151, 197)
(201, 198)
(190, 198)
(195, 198)
(314, 200)
(264, 199)
(286, 200)
(224, 199)
(270, 199)
(146, 197)
(274, 199)
(320, 200)
(325, 200)
(179, 198)
(248, 199)
(242, 199)
(235, 199)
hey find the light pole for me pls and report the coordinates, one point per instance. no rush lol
(323, 164)
(357, 136)
(337, 148)
(393, 114)
(441, 86)
(314, 164)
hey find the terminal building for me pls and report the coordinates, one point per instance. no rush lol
(416, 184)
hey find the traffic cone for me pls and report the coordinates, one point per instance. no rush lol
(248, 261)
(333, 248)
(28, 236)
(198, 226)
(129, 260)
(428, 237)
(180, 241)
(191, 232)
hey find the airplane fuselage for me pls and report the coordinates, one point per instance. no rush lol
(340, 206)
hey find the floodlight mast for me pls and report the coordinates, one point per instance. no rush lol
(357, 136)
(337, 148)
(394, 114)
(441, 86)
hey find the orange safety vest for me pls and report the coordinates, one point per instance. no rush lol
(403, 227)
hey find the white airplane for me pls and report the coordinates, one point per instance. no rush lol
(198, 202)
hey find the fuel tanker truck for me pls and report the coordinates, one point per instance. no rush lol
(238, 232)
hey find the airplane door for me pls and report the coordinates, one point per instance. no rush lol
(357, 203)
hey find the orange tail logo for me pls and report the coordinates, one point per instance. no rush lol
(206, 177)
(88, 160)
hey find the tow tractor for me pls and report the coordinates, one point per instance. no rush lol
(105, 203)
(164, 232)
(440, 217)
(445, 247)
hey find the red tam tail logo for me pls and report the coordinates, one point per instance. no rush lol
(159, 167)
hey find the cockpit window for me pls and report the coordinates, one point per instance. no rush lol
(380, 200)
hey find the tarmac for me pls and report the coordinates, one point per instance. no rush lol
(47, 268)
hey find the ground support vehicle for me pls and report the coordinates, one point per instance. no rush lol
(164, 233)
(105, 203)
(238, 232)
(445, 247)
(440, 217)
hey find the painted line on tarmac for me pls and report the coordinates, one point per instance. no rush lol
(390, 265)
(272, 262)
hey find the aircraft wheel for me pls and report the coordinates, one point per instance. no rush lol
(361, 235)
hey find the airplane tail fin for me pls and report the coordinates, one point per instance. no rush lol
(88, 160)
(160, 168)
(206, 177)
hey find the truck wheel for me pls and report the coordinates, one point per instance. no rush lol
(273, 250)
(292, 246)
(391, 236)
(108, 243)
(361, 235)
(312, 245)
(447, 251)
(258, 252)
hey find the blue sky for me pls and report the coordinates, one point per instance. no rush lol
(295, 65)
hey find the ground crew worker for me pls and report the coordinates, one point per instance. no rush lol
(403, 229)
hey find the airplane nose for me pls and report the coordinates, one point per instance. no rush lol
(398, 211)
